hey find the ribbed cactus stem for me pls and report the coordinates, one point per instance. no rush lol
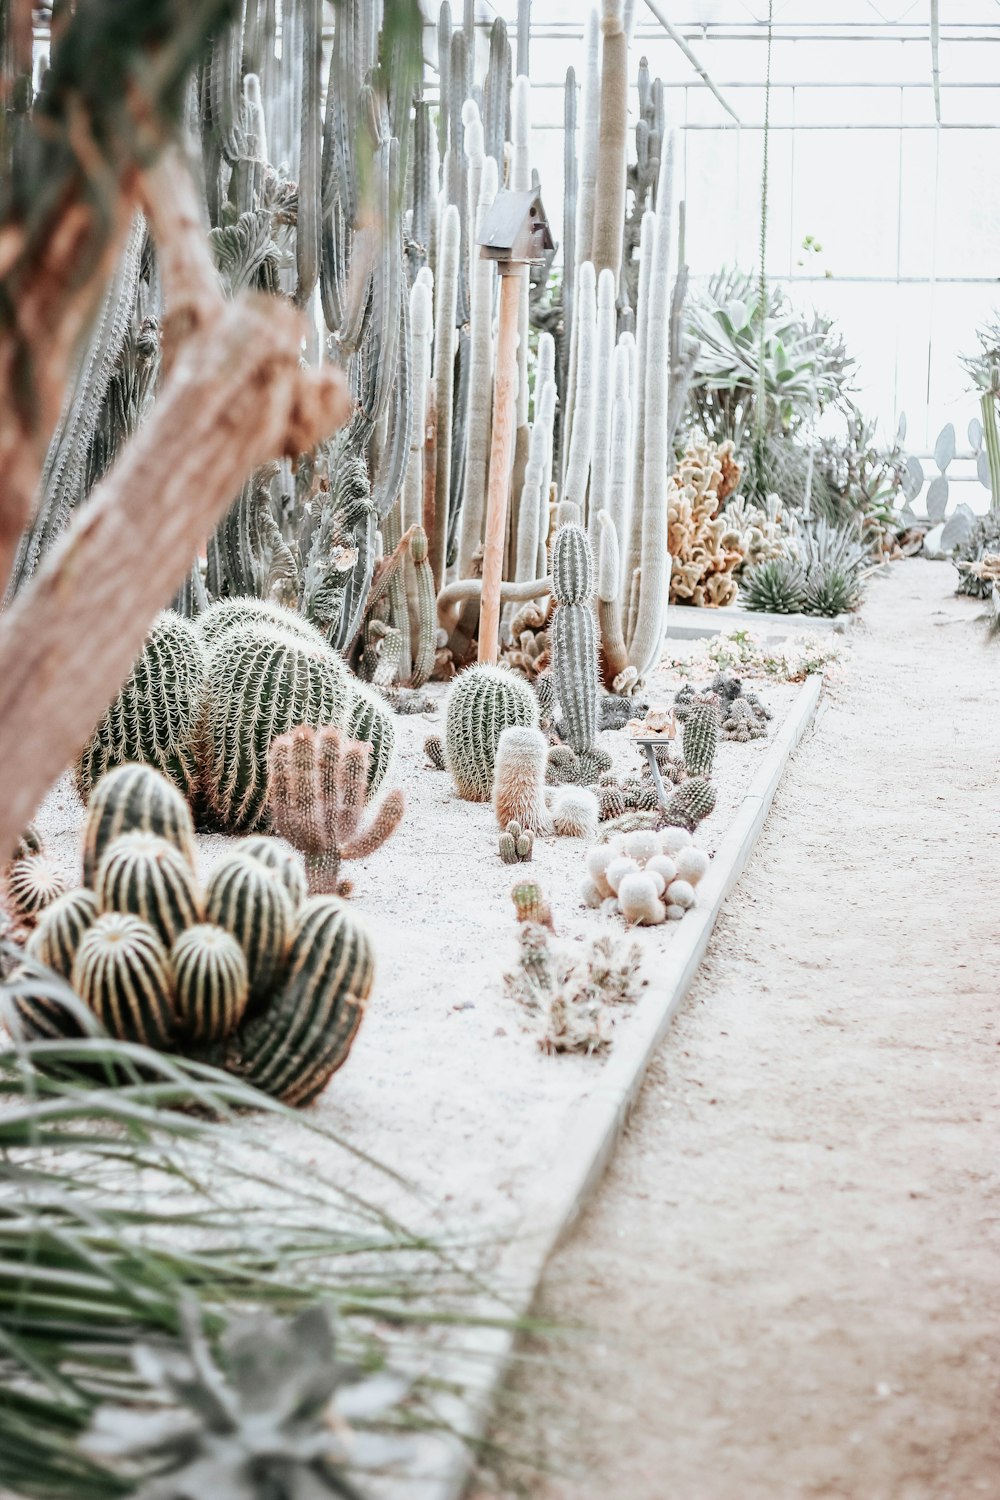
(604, 387)
(546, 414)
(632, 542)
(609, 195)
(569, 228)
(520, 182)
(425, 610)
(590, 135)
(609, 611)
(582, 435)
(574, 638)
(421, 329)
(477, 448)
(530, 509)
(654, 561)
(620, 482)
(482, 702)
(445, 343)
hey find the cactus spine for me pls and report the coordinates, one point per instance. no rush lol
(134, 798)
(305, 1036)
(482, 702)
(701, 736)
(210, 982)
(32, 886)
(369, 719)
(573, 637)
(148, 877)
(122, 973)
(60, 930)
(252, 904)
(519, 784)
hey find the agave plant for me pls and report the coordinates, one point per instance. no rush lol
(776, 586)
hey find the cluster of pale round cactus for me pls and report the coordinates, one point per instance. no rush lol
(648, 877)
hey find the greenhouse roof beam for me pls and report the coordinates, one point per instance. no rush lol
(935, 58)
(675, 36)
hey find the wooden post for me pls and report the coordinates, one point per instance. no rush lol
(501, 457)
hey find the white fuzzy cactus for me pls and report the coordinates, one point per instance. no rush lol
(575, 813)
(647, 877)
(519, 779)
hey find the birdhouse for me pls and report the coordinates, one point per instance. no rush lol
(515, 229)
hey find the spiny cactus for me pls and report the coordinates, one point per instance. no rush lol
(516, 844)
(573, 634)
(575, 813)
(29, 843)
(775, 587)
(519, 783)
(610, 801)
(211, 984)
(370, 720)
(742, 723)
(316, 799)
(701, 736)
(434, 750)
(305, 1035)
(250, 901)
(565, 768)
(482, 702)
(234, 616)
(530, 904)
(60, 929)
(147, 876)
(692, 801)
(32, 885)
(134, 797)
(122, 972)
(153, 718)
(283, 862)
(259, 684)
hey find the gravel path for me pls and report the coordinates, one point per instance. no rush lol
(790, 1281)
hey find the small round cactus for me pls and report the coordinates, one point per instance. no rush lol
(122, 973)
(286, 863)
(692, 801)
(211, 985)
(32, 885)
(370, 720)
(516, 844)
(530, 904)
(482, 702)
(250, 901)
(147, 876)
(434, 751)
(575, 813)
(60, 930)
(134, 797)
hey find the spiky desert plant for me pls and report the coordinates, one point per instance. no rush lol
(211, 984)
(29, 843)
(692, 801)
(701, 736)
(775, 587)
(613, 648)
(516, 844)
(831, 589)
(609, 191)
(251, 902)
(741, 723)
(482, 702)
(153, 718)
(316, 798)
(580, 435)
(434, 750)
(519, 780)
(424, 623)
(132, 798)
(369, 719)
(32, 885)
(575, 813)
(234, 616)
(477, 442)
(60, 930)
(144, 875)
(260, 684)
(122, 974)
(530, 904)
(604, 398)
(305, 1034)
(573, 634)
(281, 861)
(445, 344)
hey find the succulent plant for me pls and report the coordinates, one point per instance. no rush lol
(32, 885)
(122, 973)
(775, 587)
(211, 984)
(251, 902)
(369, 719)
(573, 634)
(701, 736)
(741, 723)
(434, 750)
(516, 844)
(154, 716)
(482, 702)
(282, 861)
(316, 800)
(831, 589)
(60, 929)
(693, 800)
(575, 813)
(134, 798)
(519, 780)
(530, 904)
(149, 877)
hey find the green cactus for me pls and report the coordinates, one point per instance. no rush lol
(434, 750)
(252, 904)
(238, 615)
(122, 972)
(425, 611)
(693, 800)
(281, 861)
(145, 875)
(482, 702)
(701, 736)
(60, 929)
(259, 684)
(530, 904)
(153, 718)
(516, 844)
(573, 634)
(369, 720)
(211, 984)
(32, 885)
(134, 797)
(306, 1033)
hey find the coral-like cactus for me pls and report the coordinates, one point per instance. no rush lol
(692, 801)
(573, 634)
(32, 885)
(281, 861)
(701, 736)
(575, 813)
(519, 779)
(134, 798)
(250, 901)
(122, 972)
(516, 844)
(316, 799)
(148, 877)
(530, 904)
(482, 702)
(306, 1033)
(260, 683)
(211, 984)
(60, 929)
(153, 718)
(707, 547)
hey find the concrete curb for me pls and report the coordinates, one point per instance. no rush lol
(596, 1123)
(686, 623)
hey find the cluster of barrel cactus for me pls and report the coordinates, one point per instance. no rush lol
(648, 877)
(246, 971)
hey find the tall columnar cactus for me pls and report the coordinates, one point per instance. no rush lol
(211, 984)
(520, 182)
(292, 1051)
(134, 798)
(701, 737)
(631, 541)
(445, 345)
(519, 785)
(252, 904)
(609, 613)
(481, 389)
(482, 702)
(604, 393)
(584, 184)
(620, 484)
(60, 930)
(609, 193)
(574, 637)
(258, 686)
(153, 718)
(581, 437)
(148, 877)
(569, 231)
(122, 973)
(317, 795)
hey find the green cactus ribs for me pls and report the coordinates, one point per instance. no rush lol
(482, 702)
(573, 635)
